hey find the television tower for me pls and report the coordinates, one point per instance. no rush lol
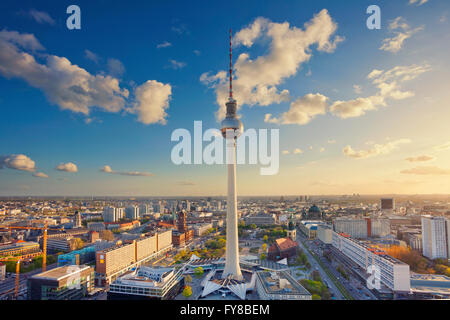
(232, 128)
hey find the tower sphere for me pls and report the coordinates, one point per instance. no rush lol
(231, 122)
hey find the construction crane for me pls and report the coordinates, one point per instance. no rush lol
(16, 288)
(44, 241)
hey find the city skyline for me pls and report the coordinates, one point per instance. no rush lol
(91, 111)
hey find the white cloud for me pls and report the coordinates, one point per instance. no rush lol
(11, 40)
(197, 52)
(152, 100)
(256, 80)
(165, 44)
(41, 17)
(65, 84)
(91, 56)
(107, 169)
(17, 162)
(248, 35)
(180, 29)
(115, 67)
(389, 87)
(174, 64)
(352, 108)
(418, 2)
(295, 151)
(422, 158)
(395, 43)
(67, 167)
(375, 150)
(357, 89)
(443, 147)
(302, 110)
(426, 170)
(322, 150)
(40, 175)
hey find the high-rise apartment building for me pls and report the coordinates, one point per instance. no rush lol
(435, 237)
(132, 212)
(143, 209)
(112, 214)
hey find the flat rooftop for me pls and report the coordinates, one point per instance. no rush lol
(60, 272)
(281, 283)
(436, 280)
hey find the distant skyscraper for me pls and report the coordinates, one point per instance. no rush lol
(387, 204)
(143, 209)
(158, 207)
(77, 223)
(188, 206)
(435, 237)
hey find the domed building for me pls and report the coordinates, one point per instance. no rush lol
(314, 213)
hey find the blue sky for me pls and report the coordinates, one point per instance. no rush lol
(130, 32)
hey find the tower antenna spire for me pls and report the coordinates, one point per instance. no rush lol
(231, 71)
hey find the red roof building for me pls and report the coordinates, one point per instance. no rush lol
(282, 248)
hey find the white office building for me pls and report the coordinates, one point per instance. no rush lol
(435, 237)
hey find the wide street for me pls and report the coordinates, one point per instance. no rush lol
(316, 266)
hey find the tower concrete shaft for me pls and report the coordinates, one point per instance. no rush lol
(232, 250)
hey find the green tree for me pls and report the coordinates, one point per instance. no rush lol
(187, 291)
(316, 297)
(263, 256)
(198, 271)
(107, 235)
(315, 275)
(222, 242)
(264, 247)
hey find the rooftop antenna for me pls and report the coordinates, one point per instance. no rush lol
(231, 72)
